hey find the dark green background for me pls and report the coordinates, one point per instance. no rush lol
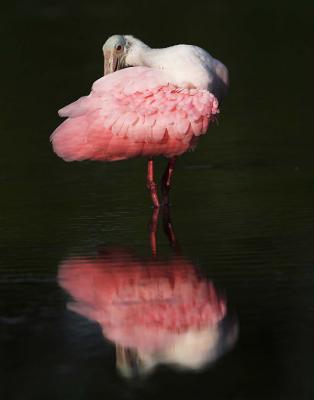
(242, 203)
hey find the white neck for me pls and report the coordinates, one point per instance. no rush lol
(183, 64)
(139, 53)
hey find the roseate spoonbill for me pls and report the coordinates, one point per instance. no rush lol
(160, 105)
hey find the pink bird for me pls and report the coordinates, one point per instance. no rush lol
(160, 105)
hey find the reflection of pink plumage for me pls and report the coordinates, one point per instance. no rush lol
(156, 312)
(141, 305)
(158, 106)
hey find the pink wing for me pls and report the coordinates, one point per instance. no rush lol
(135, 111)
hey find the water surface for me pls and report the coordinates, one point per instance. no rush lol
(242, 202)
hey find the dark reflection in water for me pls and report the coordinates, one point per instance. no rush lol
(242, 202)
(154, 311)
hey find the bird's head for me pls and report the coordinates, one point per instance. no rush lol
(120, 51)
(114, 49)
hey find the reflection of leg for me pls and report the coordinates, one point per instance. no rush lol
(166, 180)
(151, 185)
(127, 361)
(168, 228)
(153, 231)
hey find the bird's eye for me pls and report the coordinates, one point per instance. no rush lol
(119, 47)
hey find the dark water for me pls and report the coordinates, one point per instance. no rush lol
(242, 203)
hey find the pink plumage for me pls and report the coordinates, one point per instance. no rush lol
(133, 112)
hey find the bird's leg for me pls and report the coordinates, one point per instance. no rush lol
(151, 185)
(153, 231)
(166, 180)
(168, 228)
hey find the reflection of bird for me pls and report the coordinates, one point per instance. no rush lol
(155, 312)
(159, 107)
